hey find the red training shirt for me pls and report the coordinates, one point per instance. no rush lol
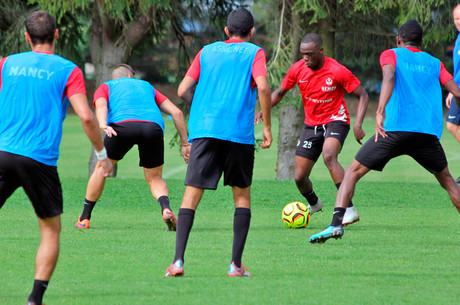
(322, 90)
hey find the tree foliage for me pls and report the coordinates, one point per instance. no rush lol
(364, 28)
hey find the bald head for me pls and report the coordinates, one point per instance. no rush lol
(122, 70)
(456, 15)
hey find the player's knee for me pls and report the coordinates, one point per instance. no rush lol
(451, 127)
(299, 176)
(330, 159)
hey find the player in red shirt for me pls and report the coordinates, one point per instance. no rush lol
(322, 82)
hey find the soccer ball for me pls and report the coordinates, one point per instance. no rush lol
(295, 215)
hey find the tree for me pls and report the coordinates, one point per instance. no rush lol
(286, 52)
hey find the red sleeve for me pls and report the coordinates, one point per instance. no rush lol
(102, 91)
(159, 97)
(1, 68)
(388, 57)
(444, 76)
(194, 70)
(290, 80)
(347, 79)
(75, 83)
(259, 65)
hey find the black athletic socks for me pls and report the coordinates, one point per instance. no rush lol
(337, 185)
(184, 225)
(87, 209)
(311, 197)
(37, 293)
(164, 203)
(241, 223)
(338, 217)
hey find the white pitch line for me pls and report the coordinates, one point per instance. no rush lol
(174, 171)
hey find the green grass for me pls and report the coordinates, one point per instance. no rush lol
(403, 251)
(75, 152)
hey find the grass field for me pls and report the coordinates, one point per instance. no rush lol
(403, 251)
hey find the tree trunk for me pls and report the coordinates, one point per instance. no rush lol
(290, 125)
(291, 115)
(326, 28)
(105, 55)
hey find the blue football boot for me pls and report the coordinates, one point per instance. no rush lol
(321, 237)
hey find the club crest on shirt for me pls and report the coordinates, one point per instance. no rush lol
(328, 87)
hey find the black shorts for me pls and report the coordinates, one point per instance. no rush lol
(210, 157)
(310, 144)
(423, 148)
(39, 181)
(453, 116)
(147, 135)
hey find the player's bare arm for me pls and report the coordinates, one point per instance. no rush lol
(388, 84)
(79, 103)
(454, 91)
(449, 100)
(101, 115)
(178, 117)
(185, 90)
(363, 101)
(276, 97)
(264, 93)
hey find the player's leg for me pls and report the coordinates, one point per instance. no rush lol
(428, 152)
(453, 120)
(94, 191)
(447, 182)
(47, 256)
(331, 149)
(151, 157)
(238, 171)
(302, 170)
(186, 216)
(157, 185)
(117, 147)
(241, 223)
(307, 153)
(453, 123)
(96, 183)
(372, 155)
(41, 184)
(159, 190)
(203, 172)
(7, 188)
(8, 180)
(347, 190)
(455, 131)
(344, 195)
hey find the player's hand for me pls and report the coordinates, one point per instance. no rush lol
(379, 127)
(267, 138)
(359, 133)
(449, 99)
(258, 118)
(109, 131)
(107, 166)
(185, 152)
